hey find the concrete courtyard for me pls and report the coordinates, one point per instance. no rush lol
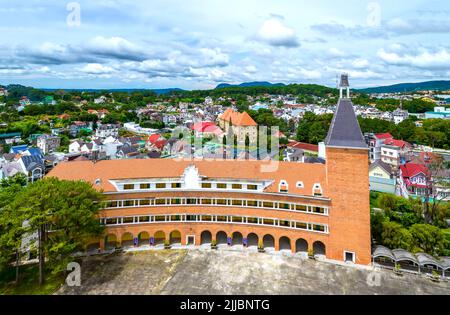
(223, 272)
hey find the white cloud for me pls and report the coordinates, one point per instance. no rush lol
(275, 33)
(439, 59)
(96, 68)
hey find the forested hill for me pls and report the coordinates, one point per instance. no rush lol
(410, 87)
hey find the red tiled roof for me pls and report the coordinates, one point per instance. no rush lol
(238, 119)
(168, 168)
(397, 143)
(303, 146)
(411, 169)
(205, 127)
(154, 138)
(383, 136)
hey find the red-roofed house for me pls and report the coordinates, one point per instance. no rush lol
(207, 129)
(395, 152)
(413, 179)
(306, 147)
(375, 141)
(155, 141)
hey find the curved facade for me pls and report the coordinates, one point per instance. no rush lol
(289, 206)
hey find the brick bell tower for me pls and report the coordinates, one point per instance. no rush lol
(347, 168)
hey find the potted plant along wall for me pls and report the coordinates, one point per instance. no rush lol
(311, 253)
(397, 270)
(261, 247)
(213, 244)
(167, 244)
(435, 276)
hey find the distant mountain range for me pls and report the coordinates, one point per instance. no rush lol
(248, 84)
(410, 87)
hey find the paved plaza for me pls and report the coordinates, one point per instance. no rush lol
(225, 272)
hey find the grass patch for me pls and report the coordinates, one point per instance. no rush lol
(29, 282)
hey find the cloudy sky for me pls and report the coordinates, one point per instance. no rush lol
(196, 44)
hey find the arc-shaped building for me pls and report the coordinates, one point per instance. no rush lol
(286, 206)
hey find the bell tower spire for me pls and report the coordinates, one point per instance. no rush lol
(344, 84)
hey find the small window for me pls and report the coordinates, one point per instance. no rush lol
(221, 218)
(221, 201)
(176, 185)
(222, 186)
(252, 203)
(111, 221)
(301, 225)
(175, 218)
(145, 186)
(300, 185)
(319, 228)
(160, 201)
(128, 220)
(175, 201)
(191, 218)
(252, 220)
(268, 222)
(318, 210)
(160, 218)
(285, 206)
(160, 186)
(206, 218)
(285, 223)
(206, 185)
(111, 204)
(191, 201)
(128, 203)
(145, 202)
(128, 186)
(300, 208)
(252, 187)
(144, 219)
(206, 201)
(236, 186)
(349, 257)
(237, 219)
(267, 204)
(237, 203)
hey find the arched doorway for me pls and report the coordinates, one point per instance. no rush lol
(143, 238)
(285, 243)
(127, 240)
(205, 238)
(175, 238)
(221, 238)
(237, 239)
(160, 237)
(252, 240)
(319, 248)
(269, 242)
(111, 241)
(301, 246)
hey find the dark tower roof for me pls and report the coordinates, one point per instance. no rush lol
(344, 130)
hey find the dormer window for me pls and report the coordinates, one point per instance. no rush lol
(300, 185)
(317, 190)
(98, 181)
(283, 187)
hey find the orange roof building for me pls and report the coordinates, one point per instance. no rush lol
(293, 207)
(239, 124)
